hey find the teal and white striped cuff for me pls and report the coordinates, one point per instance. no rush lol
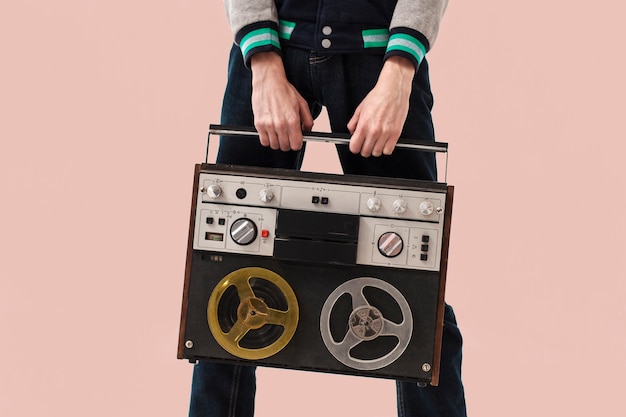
(258, 38)
(375, 38)
(408, 44)
(285, 29)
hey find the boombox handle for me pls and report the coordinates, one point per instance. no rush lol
(336, 138)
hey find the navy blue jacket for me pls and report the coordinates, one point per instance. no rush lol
(391, 27)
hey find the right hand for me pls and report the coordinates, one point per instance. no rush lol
(280, 112)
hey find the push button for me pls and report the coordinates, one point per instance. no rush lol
(326, 43)
(327, 30)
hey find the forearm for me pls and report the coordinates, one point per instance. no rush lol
(266, 66)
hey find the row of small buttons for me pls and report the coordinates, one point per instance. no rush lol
(221, 221)
(424, 248)
(316, 200)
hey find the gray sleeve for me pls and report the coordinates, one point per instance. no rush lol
(423, 16)
(241, 13)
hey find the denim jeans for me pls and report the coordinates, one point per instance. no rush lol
(338, 82)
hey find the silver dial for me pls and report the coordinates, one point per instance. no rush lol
(266, 195)
(213, 191)
(373, 204)
(399, 206)
(390, 244)
(426, 208)
(243, 231)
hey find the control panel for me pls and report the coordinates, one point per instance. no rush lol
(396, 228)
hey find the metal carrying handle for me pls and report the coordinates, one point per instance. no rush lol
(336, 138)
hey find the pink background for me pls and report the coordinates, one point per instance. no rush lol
(104, 108)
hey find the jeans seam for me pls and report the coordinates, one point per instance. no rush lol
(400, 399)
(232, 407)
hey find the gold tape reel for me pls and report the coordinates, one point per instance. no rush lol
(253, 313)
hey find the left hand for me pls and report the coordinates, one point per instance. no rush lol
(377, 122)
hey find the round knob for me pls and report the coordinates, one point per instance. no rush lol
(266, 195)
(373, 204)
(243, 231)
(213, 191)
(399, 206)
(390, 244)
(426, 208)
(241, 193)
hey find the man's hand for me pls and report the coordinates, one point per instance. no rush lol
(280, 112)
(377, 123)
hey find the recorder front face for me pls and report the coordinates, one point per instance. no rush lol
(316, 272)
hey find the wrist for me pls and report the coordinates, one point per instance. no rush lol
(265, 58)
(400, 69)
(264, 64)
(400, 64)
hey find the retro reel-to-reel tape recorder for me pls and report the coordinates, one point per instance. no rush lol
(310, 271)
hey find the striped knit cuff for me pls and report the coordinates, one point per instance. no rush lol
(407, 43)
(259, 37)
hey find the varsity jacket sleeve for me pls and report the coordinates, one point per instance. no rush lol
(414, 27)
(254, 25)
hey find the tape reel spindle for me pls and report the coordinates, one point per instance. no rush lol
(253, 313)
(366, 323)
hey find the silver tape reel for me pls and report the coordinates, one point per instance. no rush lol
(366, 323)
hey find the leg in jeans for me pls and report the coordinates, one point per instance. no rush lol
(228, 390)
(225, 390)
(321, 79)
(447, 399)
(222, 390)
